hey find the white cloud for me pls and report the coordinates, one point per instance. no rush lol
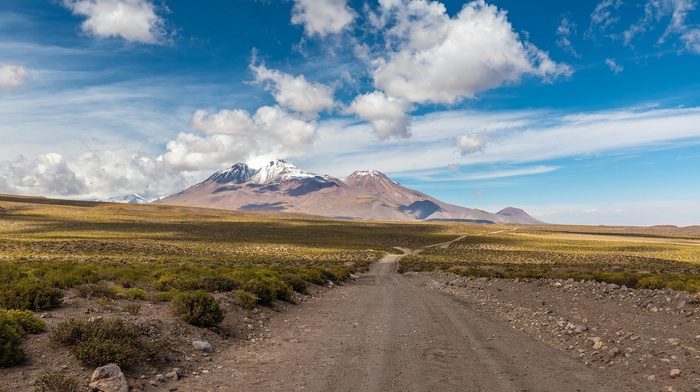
(90, 176)
(322, 17)
(236, 136)
(691, 39)
(471, 144)
(603, 17)
(616, 68)
(132, 20)
(564, 31)
(657, 13)
(226, 122)
(386, 114)
(438, 59)
(12, 76)
(295, 92)
(631, 212)
(521, 137)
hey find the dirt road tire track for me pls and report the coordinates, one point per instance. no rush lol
(385, 333)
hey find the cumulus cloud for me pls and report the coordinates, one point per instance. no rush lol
(295, 92)
(12, 76)
(386, 114)
(564, 31)
(439, 59)
(92, 175)
(616, 68)
(322, 17)
(236, 135)
(471, 144)
(132, 20)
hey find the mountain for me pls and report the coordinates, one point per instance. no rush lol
(519, 215)
(129, 199)
(281, 186)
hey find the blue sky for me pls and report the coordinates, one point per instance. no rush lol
(579, 112)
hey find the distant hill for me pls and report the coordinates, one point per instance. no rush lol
(281, 186)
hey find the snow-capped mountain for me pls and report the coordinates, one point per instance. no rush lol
(129, 199)
(281, 186)
(237, 174)
(279, 170)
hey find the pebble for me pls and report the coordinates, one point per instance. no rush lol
(674, 373)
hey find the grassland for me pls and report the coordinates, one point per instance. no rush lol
(62, 244)
(133, 253)
(637, 258)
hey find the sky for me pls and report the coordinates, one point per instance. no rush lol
(581, 112)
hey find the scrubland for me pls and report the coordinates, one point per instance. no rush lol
(130, 257)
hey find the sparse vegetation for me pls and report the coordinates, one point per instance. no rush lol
(57, 382)
(119, 255)
(14, 325)
(245, 300)
(100, 342)
(198, 308)
(633, 261)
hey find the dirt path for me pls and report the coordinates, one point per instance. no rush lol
(387, 333)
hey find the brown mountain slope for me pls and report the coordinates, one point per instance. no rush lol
(281, 186)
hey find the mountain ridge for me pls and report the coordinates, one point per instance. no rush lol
(366, 195)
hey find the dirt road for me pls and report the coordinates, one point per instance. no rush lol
(387, 333)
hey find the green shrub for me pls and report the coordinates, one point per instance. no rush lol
(10, 338)
(132, 308)
(97, 343)
(99, 352)
(263, 291)
(30, 295)
(296, 282)
(217, 283)
(14, 324)
(96, 290)
(57, 382)
(136, 293)
(198, 308)
(245, 300)
(651, 282)
(312, 275)
(26, 320)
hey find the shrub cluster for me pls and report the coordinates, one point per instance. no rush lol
(198, 308)
(29, 295)
(245, 300)
(103, 341)
(14, 324)
(56, 382)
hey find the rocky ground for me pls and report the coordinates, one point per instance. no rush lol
(649, 336)
(381, 334)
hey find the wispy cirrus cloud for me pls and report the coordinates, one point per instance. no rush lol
(669, 16)
(614, 66)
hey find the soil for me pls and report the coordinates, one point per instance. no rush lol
(413, 332)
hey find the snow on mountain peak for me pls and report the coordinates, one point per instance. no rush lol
(236, 174)
(279, 170)
(128, 199)
(367, 175)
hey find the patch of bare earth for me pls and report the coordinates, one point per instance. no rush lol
(650, 338)
(412, 332)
